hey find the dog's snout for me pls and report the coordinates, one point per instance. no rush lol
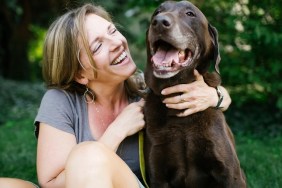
(162, 22)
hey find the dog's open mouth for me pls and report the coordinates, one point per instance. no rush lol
(169, 60)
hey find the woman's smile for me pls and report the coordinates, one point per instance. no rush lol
(120, 59)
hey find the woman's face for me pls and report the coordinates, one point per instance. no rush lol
(109, 50)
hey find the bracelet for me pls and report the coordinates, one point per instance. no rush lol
(220, 97)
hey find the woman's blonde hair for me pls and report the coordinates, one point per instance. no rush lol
(61, 51)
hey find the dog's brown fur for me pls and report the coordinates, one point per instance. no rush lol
(197, 150)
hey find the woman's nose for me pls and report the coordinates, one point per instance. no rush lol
(115, 43)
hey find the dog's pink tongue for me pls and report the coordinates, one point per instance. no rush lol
(163, 57)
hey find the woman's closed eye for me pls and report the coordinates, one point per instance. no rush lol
(113, 30)
(97, 47)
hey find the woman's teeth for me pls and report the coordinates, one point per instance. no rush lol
(120, 58)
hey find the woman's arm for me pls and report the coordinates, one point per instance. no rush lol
(197, 96)
(53, 149)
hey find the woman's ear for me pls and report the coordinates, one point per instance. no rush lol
(81, 78)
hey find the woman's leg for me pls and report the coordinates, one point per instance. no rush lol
(15, 183)
(91, 164)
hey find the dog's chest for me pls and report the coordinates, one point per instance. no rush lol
(161, 120)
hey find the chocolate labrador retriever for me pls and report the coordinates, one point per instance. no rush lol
(197, 151)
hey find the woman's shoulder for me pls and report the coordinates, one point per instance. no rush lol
(55, 93)
(57, 109)
(60, 94)
(58, 102)
(59, 97)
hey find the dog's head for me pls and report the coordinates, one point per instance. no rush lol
(179, 39)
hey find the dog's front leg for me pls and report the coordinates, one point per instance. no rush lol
(167, 167)
(226, 166)
(163, 143)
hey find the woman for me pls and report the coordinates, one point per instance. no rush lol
(88, 119)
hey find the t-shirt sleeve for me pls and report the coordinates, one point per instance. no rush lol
(55, 110)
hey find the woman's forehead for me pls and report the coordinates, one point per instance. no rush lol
(96, 27)
(93, 19)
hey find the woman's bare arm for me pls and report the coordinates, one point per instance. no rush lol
(53, 149)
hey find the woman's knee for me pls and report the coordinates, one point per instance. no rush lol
(92, 161)
(88, 154)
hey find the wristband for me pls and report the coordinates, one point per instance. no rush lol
(220, 97)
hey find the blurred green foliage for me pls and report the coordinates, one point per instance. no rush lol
(19, 99)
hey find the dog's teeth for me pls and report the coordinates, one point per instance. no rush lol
(181, 55)
(181, 52)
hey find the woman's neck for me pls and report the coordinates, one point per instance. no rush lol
(108, 104)
(111, 98)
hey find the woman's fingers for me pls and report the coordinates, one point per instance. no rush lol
(174, 89)
(183, 88)
(198, 76)
(190, 98)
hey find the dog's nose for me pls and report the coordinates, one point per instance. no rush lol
(162, 21)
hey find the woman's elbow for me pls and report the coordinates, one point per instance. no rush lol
(51, 182)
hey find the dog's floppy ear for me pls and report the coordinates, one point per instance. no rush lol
(148, 47)
(216, 53)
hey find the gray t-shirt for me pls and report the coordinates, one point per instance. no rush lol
(68, 112)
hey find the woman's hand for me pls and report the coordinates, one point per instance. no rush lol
(131, 119)
(197, 96)
(128, 122)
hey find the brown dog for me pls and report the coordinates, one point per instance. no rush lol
(197, 150)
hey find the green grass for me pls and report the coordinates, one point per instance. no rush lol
(261, 160)
(18, 150)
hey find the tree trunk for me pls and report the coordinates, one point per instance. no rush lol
(15, 47)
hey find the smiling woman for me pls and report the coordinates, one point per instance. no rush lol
(92, 97)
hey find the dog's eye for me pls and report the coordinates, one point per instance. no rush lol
(189, 13)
